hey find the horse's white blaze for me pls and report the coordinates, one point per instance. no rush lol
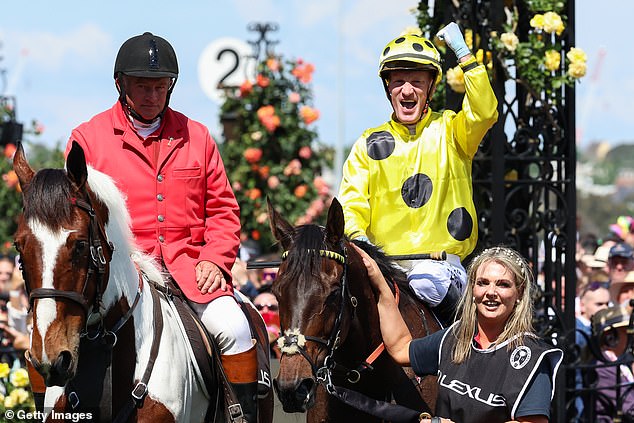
(50, 243)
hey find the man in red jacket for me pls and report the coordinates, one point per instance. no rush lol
(183, 210)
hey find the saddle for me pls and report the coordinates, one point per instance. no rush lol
(207, 354)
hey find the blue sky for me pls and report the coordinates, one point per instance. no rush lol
(59, 57)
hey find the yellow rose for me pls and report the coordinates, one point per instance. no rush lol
(455, 79)
(552, 60)
(576, 55)
(553, 23)
(510, 41)
(538, 21)
(9, 402)
(577, 69)
(19, 378)
(19, 395)
(4, 370)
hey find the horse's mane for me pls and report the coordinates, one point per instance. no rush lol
(387, 266)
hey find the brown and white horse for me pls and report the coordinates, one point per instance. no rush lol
(104, 340)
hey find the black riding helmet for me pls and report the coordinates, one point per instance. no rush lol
(146, 56)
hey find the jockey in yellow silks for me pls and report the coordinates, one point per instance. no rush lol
(406, 184)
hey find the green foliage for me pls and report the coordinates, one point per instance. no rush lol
(271, 151)
(10, 200)
(542, 6)
(617, 159)
(598, 212)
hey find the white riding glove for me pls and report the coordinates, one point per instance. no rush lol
(452, 36)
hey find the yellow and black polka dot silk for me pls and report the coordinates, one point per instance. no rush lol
(411, 192)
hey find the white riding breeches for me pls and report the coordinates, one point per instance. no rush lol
(226, 322)
(430, 279)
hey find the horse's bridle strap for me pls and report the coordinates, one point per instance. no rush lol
(128, 314)
(323, 253)
(38, 293)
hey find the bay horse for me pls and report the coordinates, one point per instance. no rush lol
(331, 340)
(105, 338)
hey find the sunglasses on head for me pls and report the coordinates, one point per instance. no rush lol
(272, 307)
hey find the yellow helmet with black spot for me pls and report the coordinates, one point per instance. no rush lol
(410, 51)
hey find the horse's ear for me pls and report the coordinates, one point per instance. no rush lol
(281, 229)
(335, 223)
(76, 165)
(22, 168)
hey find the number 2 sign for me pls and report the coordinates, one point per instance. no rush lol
(223, 64)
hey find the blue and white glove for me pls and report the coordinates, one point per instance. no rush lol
(452, 36)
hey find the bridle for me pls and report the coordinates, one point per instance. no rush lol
(292, 341)
(97, 265)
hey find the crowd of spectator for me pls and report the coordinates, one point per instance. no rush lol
(605, 290)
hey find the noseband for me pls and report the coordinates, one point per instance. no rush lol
(293, 342)
(96, 265)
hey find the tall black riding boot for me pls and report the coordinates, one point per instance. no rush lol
(247, 394)
(445, 312)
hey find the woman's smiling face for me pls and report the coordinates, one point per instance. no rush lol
(495, 293)
(408, 91)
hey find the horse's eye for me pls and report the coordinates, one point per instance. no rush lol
(81, 246)
(80, 251)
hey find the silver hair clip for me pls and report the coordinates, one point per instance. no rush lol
(513, 255)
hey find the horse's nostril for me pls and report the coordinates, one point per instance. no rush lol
(63, 362)
(305, 390)
(61, 370)
(296, 397)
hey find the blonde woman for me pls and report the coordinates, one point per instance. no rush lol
(491, 366)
